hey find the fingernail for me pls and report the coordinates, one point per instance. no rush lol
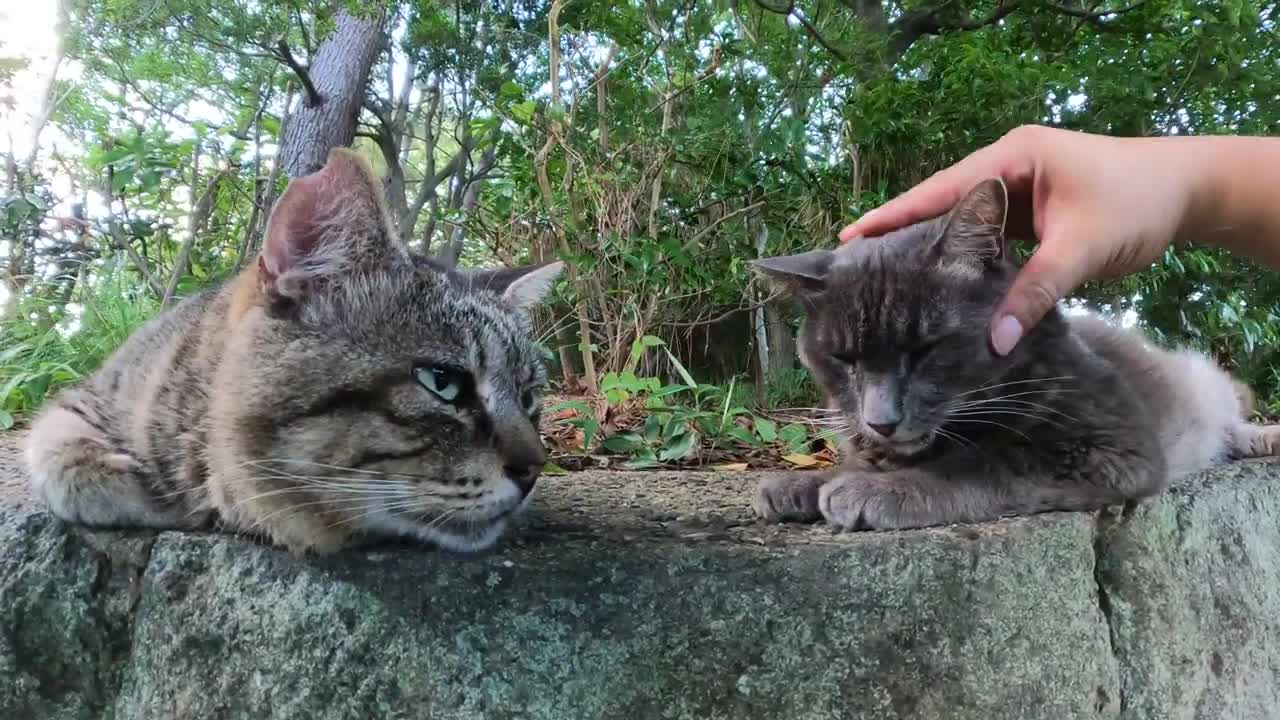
(1006, 334)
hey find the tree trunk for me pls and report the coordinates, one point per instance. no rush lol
(340, 71)
(760, 326)
(470, 200)
(782, 339)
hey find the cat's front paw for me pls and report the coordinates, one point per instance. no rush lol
(872, 501)
(790, 497)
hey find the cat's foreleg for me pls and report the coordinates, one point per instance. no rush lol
(82, 479)
(942, 493)
(1256, 441)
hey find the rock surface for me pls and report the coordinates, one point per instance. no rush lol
(654, 595)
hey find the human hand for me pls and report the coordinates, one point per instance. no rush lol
(1101, 208)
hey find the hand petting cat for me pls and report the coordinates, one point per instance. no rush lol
(1103, 207)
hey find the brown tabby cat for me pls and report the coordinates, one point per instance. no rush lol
(341, 388)
(939, 429)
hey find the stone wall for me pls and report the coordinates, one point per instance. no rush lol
(655, 596)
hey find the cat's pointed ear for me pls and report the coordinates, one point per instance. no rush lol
(325, 224)
(522, 286)
(975, 227)
(800, 274)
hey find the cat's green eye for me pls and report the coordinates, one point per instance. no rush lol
(443, 382)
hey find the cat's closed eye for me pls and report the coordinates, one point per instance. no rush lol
(921, 352)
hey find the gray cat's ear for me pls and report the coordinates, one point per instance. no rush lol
(800, 274)
(974, 229)
(522, 286)
(325, 224)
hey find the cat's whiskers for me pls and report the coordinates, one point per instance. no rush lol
(993, 412)
(374, 510)
(1007, 404)
(956, 437)
(1059, 378)
(357, 492)
(366, 471)
(343, 505)
(1008, 396)
(989, 422)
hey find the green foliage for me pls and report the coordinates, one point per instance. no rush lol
(39, 357)
(682, 421)
(716, 126)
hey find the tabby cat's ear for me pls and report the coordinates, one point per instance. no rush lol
(974, 229)
(522, 286)
(325, 224)
(800, 274)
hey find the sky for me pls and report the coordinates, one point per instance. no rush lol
(26, 30)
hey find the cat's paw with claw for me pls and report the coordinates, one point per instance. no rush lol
(789, 497)
(871, 501)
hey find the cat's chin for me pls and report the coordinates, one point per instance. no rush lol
(465, 536)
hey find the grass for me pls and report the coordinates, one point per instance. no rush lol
(43, 349)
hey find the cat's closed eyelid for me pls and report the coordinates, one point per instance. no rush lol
(845, 357)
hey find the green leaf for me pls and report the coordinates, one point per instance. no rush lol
(510, 91)
(684, 374)
(120, 179)
(743, 435)
(644, 458)
(680, 447)
(794, 435)
(150, 180)
(766, 429)
(653, 429)
(6, 420)
(676, 427)
(670, 390)
(523, 112)
(624, 442)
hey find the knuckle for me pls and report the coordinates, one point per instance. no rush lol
(1039, 295)
(1025, 134)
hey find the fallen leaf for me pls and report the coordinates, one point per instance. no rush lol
(554, 469)
(732, 467)
(801, 459)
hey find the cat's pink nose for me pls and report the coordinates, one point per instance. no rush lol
(885, 429)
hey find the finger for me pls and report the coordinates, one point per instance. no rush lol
(1048, 276)
(1008, 158)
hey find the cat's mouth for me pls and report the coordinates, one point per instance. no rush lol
(905, 448)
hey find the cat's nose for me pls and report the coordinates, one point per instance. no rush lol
(524, 476)
(885, 429)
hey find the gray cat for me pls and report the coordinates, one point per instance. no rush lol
(341, 388)
(938, 429)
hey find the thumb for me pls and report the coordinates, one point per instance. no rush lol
(1041, 283)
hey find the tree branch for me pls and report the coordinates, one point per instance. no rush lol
(790, 10)
(304, 77)
(914, 24)
(1092, 14)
